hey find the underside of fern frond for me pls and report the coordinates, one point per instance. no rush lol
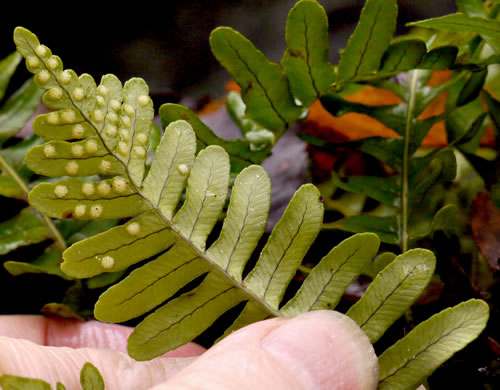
(98, 140)
(103, 130)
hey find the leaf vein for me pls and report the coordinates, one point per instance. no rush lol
(365, 48)
(387, 297)
(189, 314)
(332, 275)
(260, 84)
(168, 174)
(309, 67)
(413, 358)
(123, 245)
(156, 281)
(285, 252)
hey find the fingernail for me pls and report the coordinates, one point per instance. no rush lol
(324, 350)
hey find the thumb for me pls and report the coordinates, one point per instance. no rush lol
(317, 350)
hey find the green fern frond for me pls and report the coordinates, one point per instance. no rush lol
(103, 130)
(173, 239)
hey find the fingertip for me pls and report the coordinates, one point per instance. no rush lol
(28, 327)
(321, 350)
(325, 350)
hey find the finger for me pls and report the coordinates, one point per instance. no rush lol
(96, 334)
(28, 327)
(317, 350)
(61, 364)
(60, 332)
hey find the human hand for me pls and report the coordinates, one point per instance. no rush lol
(317, 350)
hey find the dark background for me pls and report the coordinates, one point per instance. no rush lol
(167, 43)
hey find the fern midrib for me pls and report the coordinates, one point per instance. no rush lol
(333, 274)
(190, 314)
(250, 193)
(94, 254)
(271, 103)
(381, 304)
(164, 186)
(251, 295)
(202, 206)
(283, 255)
(132, 296)
(413, 358)
(309, 67)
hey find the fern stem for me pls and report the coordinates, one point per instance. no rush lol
(46, 220)
(405, 171)
(304, 269)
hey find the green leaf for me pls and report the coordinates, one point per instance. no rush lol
(8, 66)
(175, 157)
(148, 235)
(488, 28)
(472, 8)
(245, 221)
(394, 290)
(184, 318)
(48, 263)
(9, 188)
(19, 109)
(402, 56)
(70, 198)
(472, 87)
(11, 382)
(384, 227)
(240, 153)
(439, 58)
(207, 191)
(90, 378)
(446, 220)
(22, 230)
(259, 137)
(407, 363)
(287, 246)
(387, 150)
(380, 262)
(306, 59)
(370, 39)
(342, 265)
(236, 110)
(14, 155)
(384, 189)
(148, 286)
(264, 86)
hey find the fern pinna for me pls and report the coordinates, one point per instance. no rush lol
(104, 130)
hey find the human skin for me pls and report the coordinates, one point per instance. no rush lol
(317, 350)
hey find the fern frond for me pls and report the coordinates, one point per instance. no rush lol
(169, 232)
